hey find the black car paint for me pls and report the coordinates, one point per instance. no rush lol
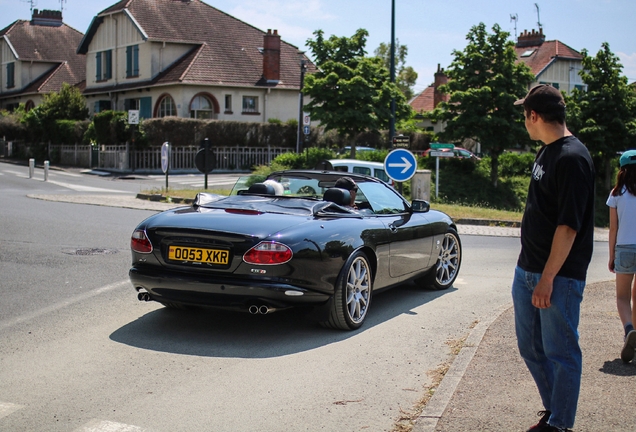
(320, 244)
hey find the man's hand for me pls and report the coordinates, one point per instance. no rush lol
(541, 294)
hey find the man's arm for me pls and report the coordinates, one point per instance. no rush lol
(561, 246)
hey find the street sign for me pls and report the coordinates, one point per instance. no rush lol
(441, 146)
(306, 130)
(400, 165)
(133, 116)
(401, 141)
(441, 153)
(165, 157)
(306, 119)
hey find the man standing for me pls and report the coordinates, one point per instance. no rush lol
(557, 235)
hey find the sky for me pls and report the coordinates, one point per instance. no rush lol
(430, 29)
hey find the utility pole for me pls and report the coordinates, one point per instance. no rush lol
(392, 67)
(303, 68)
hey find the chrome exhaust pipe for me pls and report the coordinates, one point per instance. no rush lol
(253, 309)
(143, 296)
(263, 310)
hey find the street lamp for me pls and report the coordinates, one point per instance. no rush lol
(303, 69)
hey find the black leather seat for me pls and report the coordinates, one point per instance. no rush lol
(261, 189)
(339, 196)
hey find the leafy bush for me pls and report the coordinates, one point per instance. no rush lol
(512, 164)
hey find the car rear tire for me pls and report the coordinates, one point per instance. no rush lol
(352, 295)
(446, 269)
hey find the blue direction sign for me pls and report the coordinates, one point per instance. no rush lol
(400, 165)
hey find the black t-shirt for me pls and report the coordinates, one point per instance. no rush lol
(561, 193)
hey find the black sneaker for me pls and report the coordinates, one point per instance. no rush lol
(627, 353)
(543, 422)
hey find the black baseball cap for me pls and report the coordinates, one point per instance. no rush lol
(543, 99)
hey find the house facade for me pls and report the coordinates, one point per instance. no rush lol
(188, 59)
(37, 57)
(551, 62)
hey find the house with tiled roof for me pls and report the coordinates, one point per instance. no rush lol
(186, 58)
(551, 62)
(38, 56)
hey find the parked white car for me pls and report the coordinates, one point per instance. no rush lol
(374, 169)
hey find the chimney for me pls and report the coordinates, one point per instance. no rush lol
(440, 79)
(271, 57)
(533, 38)
(49, 18)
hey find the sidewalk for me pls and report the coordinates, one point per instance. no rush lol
(488, 387)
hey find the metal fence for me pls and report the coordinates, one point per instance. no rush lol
(123, 158)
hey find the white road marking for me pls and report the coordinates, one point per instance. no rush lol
(8, 408)
(80, 188)
(108, 426)
(62, 304)
(69, 174)
(18, 173)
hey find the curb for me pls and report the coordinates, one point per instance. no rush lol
(162, 198)
(434, 409)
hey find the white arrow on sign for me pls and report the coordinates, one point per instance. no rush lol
(406, 165)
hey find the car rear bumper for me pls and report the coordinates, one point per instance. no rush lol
(193, 289)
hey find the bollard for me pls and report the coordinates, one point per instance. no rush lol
(31, 167)
(46, 170)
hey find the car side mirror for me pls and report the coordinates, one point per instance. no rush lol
(420, 206)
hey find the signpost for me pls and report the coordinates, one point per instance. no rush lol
(401, 141)
(442, 146)
(204, 160)
(441, 153)
(400, 165)
(438, 154)
(165, 160)
(133, 116)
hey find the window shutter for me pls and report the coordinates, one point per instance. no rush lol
(128, 61)
(136, 60)
(145, 107)
(108, 74)
(98, 66)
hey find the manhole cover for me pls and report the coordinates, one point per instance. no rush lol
(89, 251)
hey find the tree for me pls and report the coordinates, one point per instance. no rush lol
(405, 76)
(67, 104)
(604, 116)
(350, 93)
(484, 81)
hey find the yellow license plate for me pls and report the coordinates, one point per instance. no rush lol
(199, 255)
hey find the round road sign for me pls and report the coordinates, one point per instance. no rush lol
(400, 165)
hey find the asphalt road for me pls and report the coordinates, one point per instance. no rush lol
(78, 352)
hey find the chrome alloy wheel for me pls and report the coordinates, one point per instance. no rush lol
(448, 260)
(358, 290)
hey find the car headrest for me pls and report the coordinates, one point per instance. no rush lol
(261, 189)
(339, 196)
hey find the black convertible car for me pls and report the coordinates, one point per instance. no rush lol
(293, 240)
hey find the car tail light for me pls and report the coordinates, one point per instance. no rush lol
(139, 242)
(268, 253)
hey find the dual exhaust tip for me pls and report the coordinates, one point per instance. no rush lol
(255, 309)
(144, 296)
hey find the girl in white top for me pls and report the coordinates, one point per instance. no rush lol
(622, 248)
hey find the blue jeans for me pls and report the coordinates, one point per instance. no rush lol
(548, 342)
